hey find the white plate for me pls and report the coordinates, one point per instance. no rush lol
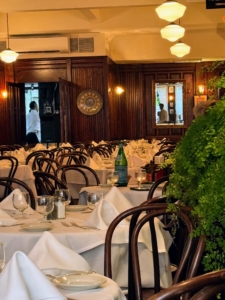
(79, 282)
(37, 226)
(76, 207)
(62, 272)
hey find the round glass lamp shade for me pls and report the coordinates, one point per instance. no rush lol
(172, 32)
(8, 55)
(180, 49)
(170, 10)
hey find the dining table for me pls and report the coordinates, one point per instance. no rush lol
(90, 245)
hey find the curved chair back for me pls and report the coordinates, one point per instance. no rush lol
(12, 163)
(21, 185)
(32, 157)
(47, 165)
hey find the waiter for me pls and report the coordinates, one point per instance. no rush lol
(33, 122)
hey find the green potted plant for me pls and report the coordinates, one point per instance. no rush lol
(198, 178)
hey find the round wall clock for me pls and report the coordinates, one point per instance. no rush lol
(89, 102)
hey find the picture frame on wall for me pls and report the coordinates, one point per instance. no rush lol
(199, 98)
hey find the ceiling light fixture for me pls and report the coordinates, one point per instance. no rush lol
(8, 55)
(172, 32)
(180, 49)
(170, 10)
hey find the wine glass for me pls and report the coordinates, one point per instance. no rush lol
(112, 177)
(45, 205)
(64, 194)
(93, 198)
(140, 176)
(20, 202)
(2, 256)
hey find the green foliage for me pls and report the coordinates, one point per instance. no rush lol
(198, 180)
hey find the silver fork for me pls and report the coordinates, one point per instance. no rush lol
(83, 227)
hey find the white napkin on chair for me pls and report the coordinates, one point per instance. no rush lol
(49, 253)
(108, 208)
(21, 279)
(7, 204)
(6, 219)
(91, 163)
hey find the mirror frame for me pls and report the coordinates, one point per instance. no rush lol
(169, 81)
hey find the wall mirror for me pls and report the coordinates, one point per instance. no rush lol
(169, 103)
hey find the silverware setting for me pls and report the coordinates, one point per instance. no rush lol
(79, 226)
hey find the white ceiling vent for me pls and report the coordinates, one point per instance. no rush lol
(40, 44)
(82, 45)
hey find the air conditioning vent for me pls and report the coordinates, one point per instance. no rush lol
(3, 45)
(82, 45)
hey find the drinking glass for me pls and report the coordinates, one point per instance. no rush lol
(112, 177)
(20, 202)
(140, 176)
(64, 194)
(44, 205)
(2, 256)
(93, 198)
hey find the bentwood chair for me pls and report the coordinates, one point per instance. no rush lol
(76, 157)
(205, 287)
(12, 163)
(48, 165)
(32, 157)
(135, 291)
(47, 183)
(22, 186)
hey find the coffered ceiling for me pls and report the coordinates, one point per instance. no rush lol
(127, 31)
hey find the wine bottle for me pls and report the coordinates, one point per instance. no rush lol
(121, 166)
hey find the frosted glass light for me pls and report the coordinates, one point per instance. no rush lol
(172, 32)
(180, 49)
(8, 55)
(170, 10)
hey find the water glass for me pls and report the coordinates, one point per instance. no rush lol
(2, 256)
(112, 177)
(64, 194)
(140, 176)
(21, 202)
(44, 205)
(93, 198)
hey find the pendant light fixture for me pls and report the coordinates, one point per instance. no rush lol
(172, 32)
(180, 49)
(8, 55)
(170, 10)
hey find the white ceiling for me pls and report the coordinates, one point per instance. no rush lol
(127, 31)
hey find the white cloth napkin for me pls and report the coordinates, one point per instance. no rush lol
(98, 160)
(20, 155)
(7, 204)
(136, 161)
(66, 145)
(49, 253)
(39, 147)
(91, 163)
(108, 208)
(21, 279)
(5, 219)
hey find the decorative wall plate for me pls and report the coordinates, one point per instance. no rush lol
(89, 102)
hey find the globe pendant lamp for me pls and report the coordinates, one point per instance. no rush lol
(180, 49)
(170, 10)
(172, 32)
(8, 55)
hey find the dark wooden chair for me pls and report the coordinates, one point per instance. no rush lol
(134, 279)
(6, 149)
(13, 163)
(47, 183)
(21, 185)
(32, 157)
(205, 287)
(76, 157)
(48, 165)
(156, 184)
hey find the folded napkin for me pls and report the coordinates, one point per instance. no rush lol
(66, 145)
(7, 204)
(137, 161)
(94, 143)
(20, 155)
(108, 208)
(49, 253)
(5, 219)
(21, 279)
(39, 147)
(91, 163)
(98, 160)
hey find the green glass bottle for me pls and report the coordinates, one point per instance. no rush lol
(121, 166)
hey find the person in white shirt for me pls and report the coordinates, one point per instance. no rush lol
(33, 121)
(162, 114)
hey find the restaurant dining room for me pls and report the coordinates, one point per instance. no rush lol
(112, 125)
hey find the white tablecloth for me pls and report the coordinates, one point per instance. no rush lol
(23, 173)
(135, 197)
(75, 182)
(90, 245)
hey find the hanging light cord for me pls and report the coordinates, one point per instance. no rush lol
(7, 22)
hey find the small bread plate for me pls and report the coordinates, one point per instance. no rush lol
(139, 189)
(42, 226)
(52, 273)
(76, 207)
(79, 282)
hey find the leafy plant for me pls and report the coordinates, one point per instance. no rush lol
(198, 180)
